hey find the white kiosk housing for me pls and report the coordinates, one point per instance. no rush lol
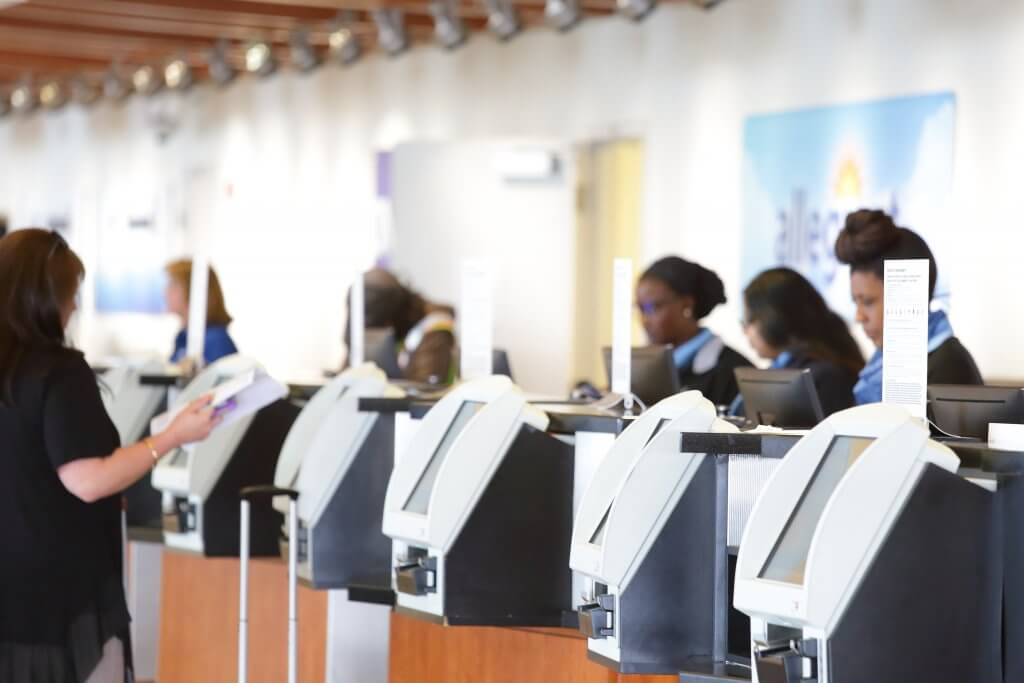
(480, 510)
(131, 405)
(201, 481)
(866, 558)
(645, 536)
(339, 461)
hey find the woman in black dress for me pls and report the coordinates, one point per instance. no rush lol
(788, 322)
(63, 616)
(673, 296)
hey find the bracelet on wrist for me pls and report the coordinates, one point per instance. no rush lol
(152, 450)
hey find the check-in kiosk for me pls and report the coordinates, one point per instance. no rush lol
(867, 558)
(645, 535)
(131, 405)
(200, 482)
(339, 460)
(480, 510)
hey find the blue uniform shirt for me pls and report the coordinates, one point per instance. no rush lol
(217, 344)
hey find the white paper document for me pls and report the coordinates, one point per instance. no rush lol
(905, 335)
(622, 328)
(250, 391)
(476, 320)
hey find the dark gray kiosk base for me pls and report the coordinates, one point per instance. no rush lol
(346, 546)
(929, 608)
(667, 613)
(510, 563)
(253, 464)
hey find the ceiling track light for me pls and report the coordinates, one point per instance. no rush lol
(391, 31)
(343, 44)
(562, 14)
(635, 9)
(146, 80)
(178, 74)
(24, 98)
(84, 91)
(304, 56)
(259, 59)
(115, 86)
(52, 95)
(502, 18)
(449, 30)
(218, 60)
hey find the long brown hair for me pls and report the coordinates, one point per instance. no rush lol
(793, 316)
(39, 277)
(180, 271)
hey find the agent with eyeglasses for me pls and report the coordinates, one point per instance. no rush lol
(673, 296)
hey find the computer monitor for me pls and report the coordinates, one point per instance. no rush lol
(380, 348)
(961, 410)
(653, 372)
(780, 398)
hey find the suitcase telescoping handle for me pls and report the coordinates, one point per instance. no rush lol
(248, 495)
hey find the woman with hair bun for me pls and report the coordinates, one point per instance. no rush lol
(673, 296)
(788, 322)
(868, 240)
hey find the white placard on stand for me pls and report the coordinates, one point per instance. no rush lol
(356, 323)
(905, 335)
(196, 335)
(622, 329)
(476, 320)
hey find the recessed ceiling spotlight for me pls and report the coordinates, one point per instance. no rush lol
(391, 31)
(502, 18)
(24, 98)
(562, 14)
(218, 60)
(51, 95)
(343, 45)
(304, 56)
(449, 30)
(146, 81)
(84, 91)
(178, 74)
(259, 59)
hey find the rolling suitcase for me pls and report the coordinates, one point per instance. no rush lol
(248, 495)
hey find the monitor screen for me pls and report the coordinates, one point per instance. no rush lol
(419, 500)
(780, 398)
(654, 375)
(657, 428)
(967, 411)
(788, 559)
(597, 538)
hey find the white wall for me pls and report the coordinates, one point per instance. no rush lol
(297, 151)
(523, 230)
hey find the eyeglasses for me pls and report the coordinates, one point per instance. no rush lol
(652, 307)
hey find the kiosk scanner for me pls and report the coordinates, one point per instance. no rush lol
(131, 405)
(645, 535)
(866, 558)
(480, 510)
(339, 460)
(200, 481)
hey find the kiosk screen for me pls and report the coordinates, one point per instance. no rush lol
(788, 559)
(419, 500)
(597, 538)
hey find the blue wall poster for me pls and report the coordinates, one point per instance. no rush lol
(804, 171)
